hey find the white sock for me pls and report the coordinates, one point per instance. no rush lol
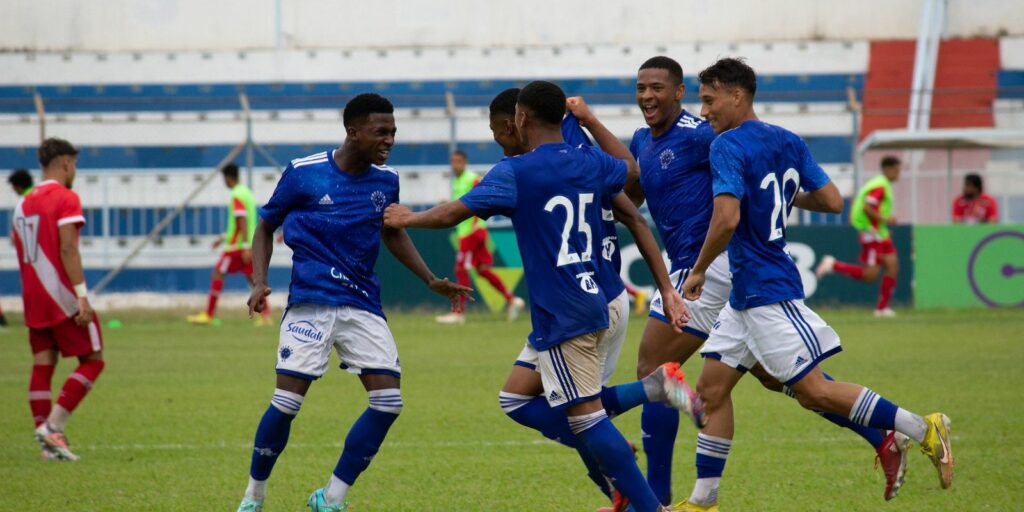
(256, 490)
(705, 491)
(58, 418)
(335, 490)
(910, 424)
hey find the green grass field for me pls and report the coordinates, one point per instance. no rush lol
(170, 424)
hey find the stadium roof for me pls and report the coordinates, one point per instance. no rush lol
(943, 138)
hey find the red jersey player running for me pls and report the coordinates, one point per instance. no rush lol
(472, 234)
(237, 255)
(871, 215)
(57, 310)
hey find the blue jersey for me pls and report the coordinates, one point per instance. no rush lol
(553, 196)
(764, 166)
(332, 221)
(676, 178)
(610, 263)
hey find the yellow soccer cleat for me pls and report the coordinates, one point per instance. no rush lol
(686, 506)
(936, 446)
(263, 321)
(200, 319)
(640, 303)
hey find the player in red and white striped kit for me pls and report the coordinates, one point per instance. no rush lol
(57, 310)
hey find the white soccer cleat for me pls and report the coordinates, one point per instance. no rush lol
(669, 383)
(54, 442)
(515, 307)
(828, 263)
(884, 313)
(452, 318)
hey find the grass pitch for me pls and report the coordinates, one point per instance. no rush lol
(170, 423)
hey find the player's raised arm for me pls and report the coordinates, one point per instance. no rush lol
(71, 259)
(442, 216)
(628, 214)
(400, 245)
(610, 144)
(262, 250)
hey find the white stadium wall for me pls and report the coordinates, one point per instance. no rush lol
(154, 25)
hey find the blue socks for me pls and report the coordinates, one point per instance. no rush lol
(367, 434)
(272, 433)
(615, 457)
(659, 423)
(873, 436)
(622, 398)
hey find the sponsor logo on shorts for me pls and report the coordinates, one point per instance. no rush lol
(554, 396)
(304, 331)
(285, 353)
(716, 325)
(656, 303)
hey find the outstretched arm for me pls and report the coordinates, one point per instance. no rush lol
(400, 245)
(439, 217)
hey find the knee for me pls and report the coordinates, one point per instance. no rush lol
(714, 395)
(386, 400)
(871, 273)
(811, 397)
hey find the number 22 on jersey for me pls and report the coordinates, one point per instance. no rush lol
(778, 217)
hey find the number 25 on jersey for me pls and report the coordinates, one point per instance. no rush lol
(565, 256)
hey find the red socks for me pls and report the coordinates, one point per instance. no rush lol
(79, 383)
(496, 282)
(885, 292)
(849, 270)
(216, 286)
(39, 394)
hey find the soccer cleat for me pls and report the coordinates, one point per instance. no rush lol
(199, 319)
(54, 442)
(678, 394)
(452, 318)
(318, 503)
(828, 262)
(686, 506)
(892, 456)
(936, 446)
(640, 303)
(884, 313)
(47, 455)
(515, 307)
(250, 505)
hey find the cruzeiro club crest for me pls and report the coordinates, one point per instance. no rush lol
(666, 157)
(379, 200)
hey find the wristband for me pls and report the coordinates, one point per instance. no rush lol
(81, 291)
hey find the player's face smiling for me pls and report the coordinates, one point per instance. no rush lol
(719, 106)
(658, 97)
(376, 136)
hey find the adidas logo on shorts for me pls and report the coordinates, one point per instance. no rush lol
(326, 199)
(554, 396)
(800, 360)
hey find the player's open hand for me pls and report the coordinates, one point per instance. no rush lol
(258, 298)
(579, 108)
(693, 286)
(396, 216)
(455, 292)
(675, 310)
(85, 312)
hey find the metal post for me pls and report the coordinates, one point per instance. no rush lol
(928, 80)
(855, 111)
(449, 101)
(949, 182)
(243, 99)
(41, 112)
(919, 59)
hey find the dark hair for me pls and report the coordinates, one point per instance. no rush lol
(666, 63)
(974, 179)
(505, 102)
(890, 161)
(460, 153)
(545, 99)
(230, 170)
(365, 104)
(730, 72)
(20, 178)
(52, 148)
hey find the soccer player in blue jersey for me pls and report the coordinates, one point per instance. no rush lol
(675, 180)
(553, 193)
(331, 205)
(760, 171)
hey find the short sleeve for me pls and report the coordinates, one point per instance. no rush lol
(812, 176)
(238, 207)
(613, 173)
(993, 210)
(727, 161)
(875, 196)
(634, 143)
(69, 209)
(287, 196)
(495, 194)
(573, 133)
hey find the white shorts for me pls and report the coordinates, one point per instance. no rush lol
(309, 331)
(704, 311)
(609, 346)
(787, 338)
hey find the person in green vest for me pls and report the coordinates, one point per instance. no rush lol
(871, 215)
(473, 251)
(237, 240)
